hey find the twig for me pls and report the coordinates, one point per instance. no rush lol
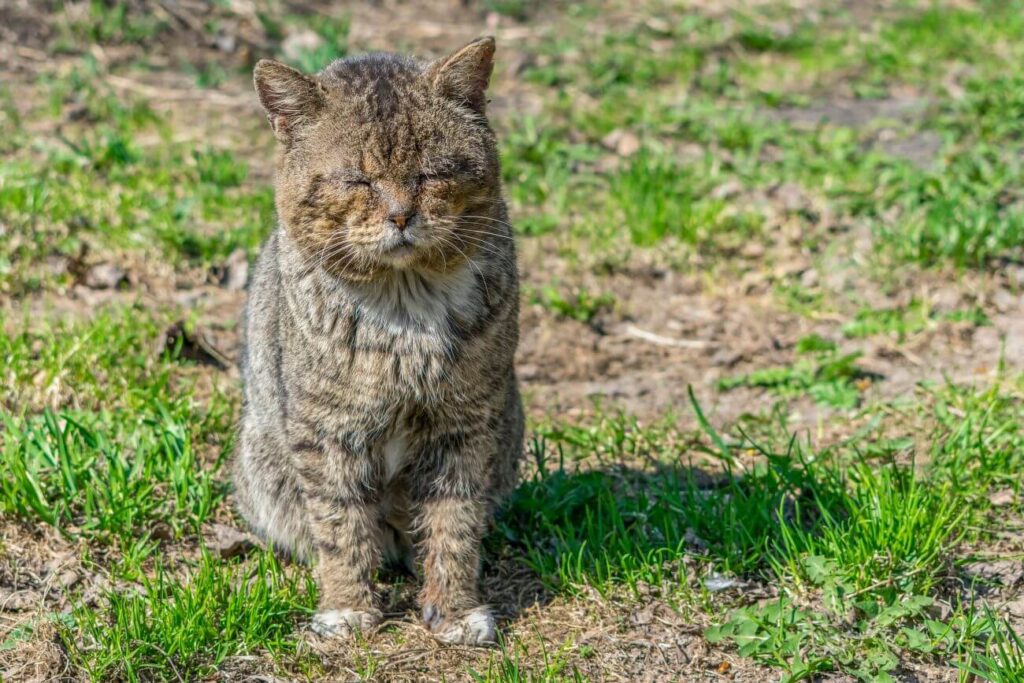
(662, 340)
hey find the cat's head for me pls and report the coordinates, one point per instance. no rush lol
(384, 162)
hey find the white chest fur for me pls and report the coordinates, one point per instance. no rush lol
(409, 302)
(394, 451)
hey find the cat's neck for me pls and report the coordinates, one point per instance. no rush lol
(397, 299)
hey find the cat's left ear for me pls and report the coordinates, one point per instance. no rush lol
(464, 75)
(291, 99)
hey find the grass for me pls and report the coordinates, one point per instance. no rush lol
(333, 42)
(101, 477)
(838, 548)
(886, 538)
(509, 665)
(580, 304)
(111, 22)
(951, 214)
(120, 446)
(903, 321)
(838, 530)
(1000, 658)
(98, 190)
(183, 628)
(820, 372)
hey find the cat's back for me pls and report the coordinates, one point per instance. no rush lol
(260, 358)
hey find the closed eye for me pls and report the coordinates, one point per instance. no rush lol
(351, 178)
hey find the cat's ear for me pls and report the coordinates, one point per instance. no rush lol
(290, 98)
(464, 74)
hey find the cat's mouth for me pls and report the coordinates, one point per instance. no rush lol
(400, 249)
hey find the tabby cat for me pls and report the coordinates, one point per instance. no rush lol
(382, 421)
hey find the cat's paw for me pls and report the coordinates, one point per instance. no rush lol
(344, 623)
(475, 627)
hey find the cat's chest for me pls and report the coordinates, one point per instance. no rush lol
(400, 337)
(411, 313)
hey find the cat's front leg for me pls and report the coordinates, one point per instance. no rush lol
(450, 497)
(345, 529)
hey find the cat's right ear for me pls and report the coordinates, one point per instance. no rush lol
(290, 98)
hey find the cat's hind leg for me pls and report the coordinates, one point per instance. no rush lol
(266, 493)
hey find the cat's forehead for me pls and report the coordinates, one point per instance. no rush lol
(382, 129)
(381, 83)
(377, 144)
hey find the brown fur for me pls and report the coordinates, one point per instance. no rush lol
(381, 407)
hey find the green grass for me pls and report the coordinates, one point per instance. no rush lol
(961, 212)
(579, 304)
(652, 199)
(98, 190)
(107, 477)
(515, 663)
(999, 657)
(886, 538)
(112, 22)
(825, 375)
(112, 361)
(956, 214)
(903, 321)
(854, 530)
(537, 169)
(182, 628)
(120, 442)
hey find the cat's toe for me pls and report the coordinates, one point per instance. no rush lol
(343, 623)
(475, 627)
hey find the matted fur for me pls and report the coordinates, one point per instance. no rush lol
(381, 408)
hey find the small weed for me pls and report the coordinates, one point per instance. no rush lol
(578, 305)
(904, 321)
(537, 166)
(654, 198)
(829, 377)
(115, 22)
(517, 9)
(220, 168)
(777, 633)
(209, 74)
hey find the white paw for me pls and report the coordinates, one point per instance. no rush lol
(475, 627)
(343, 623)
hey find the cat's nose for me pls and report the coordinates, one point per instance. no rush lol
(400, 219)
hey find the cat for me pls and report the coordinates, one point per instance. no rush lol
(382, 418)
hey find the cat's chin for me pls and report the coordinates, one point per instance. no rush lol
(402, 256)
(406, 259)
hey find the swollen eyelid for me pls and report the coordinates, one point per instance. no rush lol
(351, 177)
